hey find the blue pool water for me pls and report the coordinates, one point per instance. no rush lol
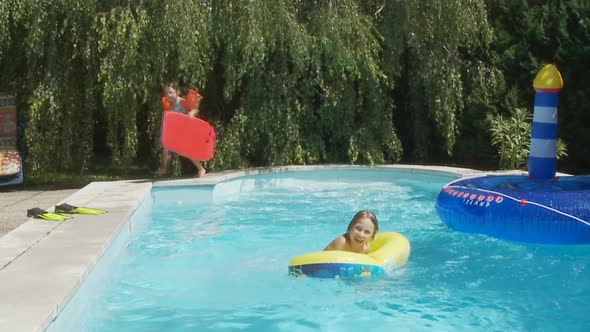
(215, 259)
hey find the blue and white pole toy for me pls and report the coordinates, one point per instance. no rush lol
(543, 153)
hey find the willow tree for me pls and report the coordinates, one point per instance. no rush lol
(437, 54)
(44, 61)
(295, 81)
(307, 78)
(141, 46)
(93, 69)
(353, 107)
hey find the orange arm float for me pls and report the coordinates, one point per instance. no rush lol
(165, 104)
(192, 100)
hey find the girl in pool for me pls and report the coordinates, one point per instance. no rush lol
(360, 231)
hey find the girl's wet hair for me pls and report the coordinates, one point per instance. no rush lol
(364, 214)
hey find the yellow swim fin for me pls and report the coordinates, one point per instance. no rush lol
(38, 213)
(67, 208)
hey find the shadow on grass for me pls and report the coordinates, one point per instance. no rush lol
(75, 180)
(100, 170)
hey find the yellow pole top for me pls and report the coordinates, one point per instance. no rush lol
(548, 79)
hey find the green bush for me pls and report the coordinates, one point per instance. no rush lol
(512, 136)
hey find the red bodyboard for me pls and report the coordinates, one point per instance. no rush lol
(190, 137)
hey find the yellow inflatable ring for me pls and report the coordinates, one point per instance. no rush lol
(388, 250)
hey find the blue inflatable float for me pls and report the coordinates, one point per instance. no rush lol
(519, 208)
(539, 208)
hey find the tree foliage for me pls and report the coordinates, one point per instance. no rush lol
(533, 33)
(285, 81)
(437, 50)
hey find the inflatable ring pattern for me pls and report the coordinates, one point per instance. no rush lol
(519, 208)
(388, 250)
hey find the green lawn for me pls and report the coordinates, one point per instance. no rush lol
(69, 180)
(101, 169)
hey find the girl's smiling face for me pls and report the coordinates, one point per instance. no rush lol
(361, 232)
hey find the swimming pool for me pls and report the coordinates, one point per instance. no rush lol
(215, 258)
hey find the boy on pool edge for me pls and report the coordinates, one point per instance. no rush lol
(360, 232)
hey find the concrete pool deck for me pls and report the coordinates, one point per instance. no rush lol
(42, 263)
(14, 204)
